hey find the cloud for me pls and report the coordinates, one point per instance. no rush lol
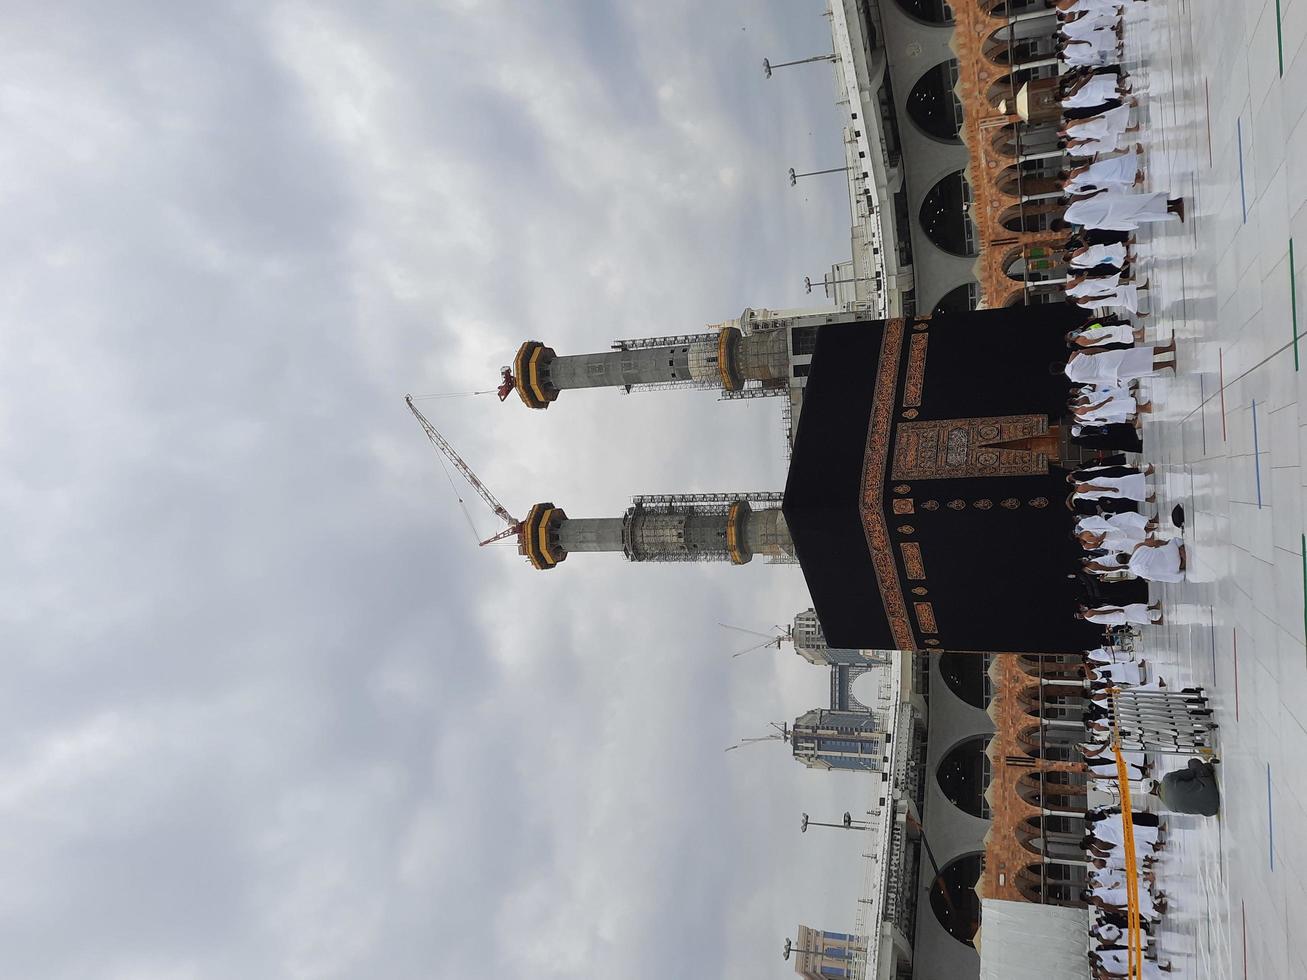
(270, 712)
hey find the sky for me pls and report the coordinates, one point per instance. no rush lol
(269, 711)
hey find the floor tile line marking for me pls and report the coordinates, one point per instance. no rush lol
(1235, 633)
(1211, 631)
(1219, 355)
(1243, 915)
(1220, 367)
(1279, 36)
(1243, 193)
(1202, 416)
(1293, 299)
(1257, 457)
(1270, 819)
(1303, 542)
(1207, 97)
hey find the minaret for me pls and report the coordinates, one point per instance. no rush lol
(673, 527)
(751, 356)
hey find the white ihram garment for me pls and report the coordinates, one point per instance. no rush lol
(1098, 53)
(1136, 613)
(1119, 211)
(1094, 92)
(1158, 564)
(1084, 27)
(1096, 255)
(1118, 408)
(1113, 367)
(1105, 125)
(1122, 296)
(1132, 487)
(1117, 170)
(1093, 6)
(1094, 286)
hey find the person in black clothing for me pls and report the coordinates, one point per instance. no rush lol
(1103, 505)
(1115, 435)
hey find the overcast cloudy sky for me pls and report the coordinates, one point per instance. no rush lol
(267, 711)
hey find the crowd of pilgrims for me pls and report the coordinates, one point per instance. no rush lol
(1123, 549)
(1109, 670)
(1116, 526)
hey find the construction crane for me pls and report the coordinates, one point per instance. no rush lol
(446, 450)
(781, 733)
(784, 634)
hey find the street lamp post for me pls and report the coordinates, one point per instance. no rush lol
(791, 948)
(848, 823)
(768, 67)
(827, 282)
(794, 178)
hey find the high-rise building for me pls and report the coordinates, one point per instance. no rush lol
(810, 644)
(852, 741)
(819, 954)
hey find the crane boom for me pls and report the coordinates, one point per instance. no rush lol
(473, 480)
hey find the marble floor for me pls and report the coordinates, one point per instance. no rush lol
(1224, 89)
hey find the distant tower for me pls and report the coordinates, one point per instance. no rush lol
(763, 352)
(854, 741)
(810, 644)
(673, 527)
(819, 955)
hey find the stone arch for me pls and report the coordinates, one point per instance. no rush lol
(1053, 790)
(964, 673)
(959, 299)
(963, 775)
(1032, 216)
(1033, 263)
(953, 897)
(1022, 42)
(1002, 88)
(945, 215)
(1031, 177)
(1009, 8)
(937, 13)
(1052, 883)
(934, 106)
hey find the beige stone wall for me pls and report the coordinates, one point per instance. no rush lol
(1016, 693)
(982, 132)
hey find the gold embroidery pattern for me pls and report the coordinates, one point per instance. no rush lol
(912, 563)
(903, 505)
(984, 504)
(930, 505)
(873, 483)
(955, 448)
(1039, 502)
(910, 413)
(925, 617)
(920, 590)
(906, 529)
(957, 505)
(916, 377)
(1011, 503)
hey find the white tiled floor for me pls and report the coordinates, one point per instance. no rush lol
(1225, 128)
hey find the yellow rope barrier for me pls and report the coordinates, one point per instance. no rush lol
(1135, 939)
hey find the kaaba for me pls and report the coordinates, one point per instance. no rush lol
(927, 488)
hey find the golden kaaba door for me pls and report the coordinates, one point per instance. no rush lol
(945, 449)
